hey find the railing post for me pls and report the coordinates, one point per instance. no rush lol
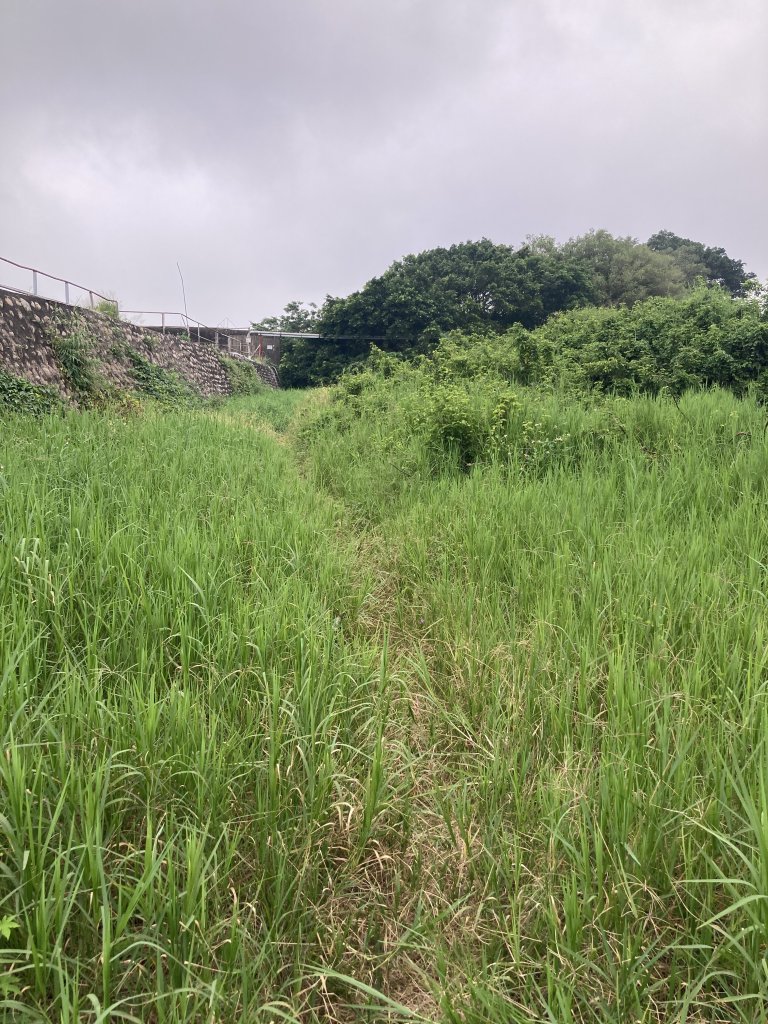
(66, 292)
(91, 295)
(162, 321)
(34, 282)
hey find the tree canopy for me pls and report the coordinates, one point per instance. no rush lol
(696, 260)
(486, 288)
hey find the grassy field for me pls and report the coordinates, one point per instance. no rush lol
(299, 724)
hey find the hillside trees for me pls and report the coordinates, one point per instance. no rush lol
(696, 260)
(621, 271)
(483, 288)
(470, 286)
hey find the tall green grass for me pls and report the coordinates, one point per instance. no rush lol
(585, 636)
(301, 723)
(190, 775)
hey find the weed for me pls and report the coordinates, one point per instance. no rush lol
(330, 728)
(155, 382)
(243, 376)
(108, 307)
(19, 395)
(72, 344)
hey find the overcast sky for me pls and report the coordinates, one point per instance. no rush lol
(286, 149)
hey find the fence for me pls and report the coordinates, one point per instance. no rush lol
(247, 341)
(184, 321)
(69, 286)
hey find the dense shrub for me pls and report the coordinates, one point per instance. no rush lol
(18, 395)
(155, 382)
(705, 339)
(242, 376)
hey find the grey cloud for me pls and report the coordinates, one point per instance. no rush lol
(289, 149)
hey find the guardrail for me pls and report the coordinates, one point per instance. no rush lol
(185, 320)
(37, 274)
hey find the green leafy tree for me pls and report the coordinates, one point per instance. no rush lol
(621, 271)
(472, 286)
(299, 365)
(484, 289)
(296, 316)
(696, 260)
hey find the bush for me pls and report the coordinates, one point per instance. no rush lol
(242, 375)
(705, 339)
(72, 344)
(18, 395)
(163, 385)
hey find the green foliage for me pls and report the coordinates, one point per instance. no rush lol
(621, 271)
(19, 395)
(696, 261)
(305, 362)
(162, 385)
(108, 307)
(514, 398)
(465, 423)
(296, 316)
(314, 362)
(242, 375)
(8, 925)
(383, 735)
(480, 288)
(72, 344)
(702, 340)
(474, 286)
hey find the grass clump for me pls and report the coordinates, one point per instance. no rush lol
(72, 345)
(108, 307)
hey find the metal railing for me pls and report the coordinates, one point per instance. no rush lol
(185, 321)
(37, 274)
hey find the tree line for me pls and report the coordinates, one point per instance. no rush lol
(486, 288)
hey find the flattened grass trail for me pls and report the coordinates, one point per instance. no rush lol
(282, 741)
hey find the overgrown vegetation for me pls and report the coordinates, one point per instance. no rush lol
(461, 719)
(72, 344)
(155, 382)
(440, 696)
(485, 288)
(19, 395)
(243, 376)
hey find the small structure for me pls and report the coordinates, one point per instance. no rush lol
(244, 341)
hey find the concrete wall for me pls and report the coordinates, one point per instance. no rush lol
(27, 324)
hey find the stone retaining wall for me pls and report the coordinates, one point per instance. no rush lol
(28, 324)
